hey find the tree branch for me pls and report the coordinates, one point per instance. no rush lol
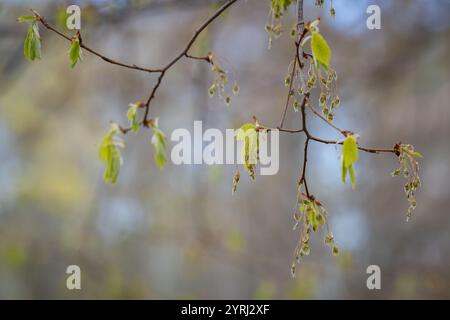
(185, 53)
(161, 71)
(299, 54)
(44, 22)
(301, 32)
(344, 132)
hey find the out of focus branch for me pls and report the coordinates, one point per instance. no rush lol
(162, 71)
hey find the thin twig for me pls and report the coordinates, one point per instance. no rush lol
(369, 150)
(344, 132)
(305, 150)
(185, 53)
(162, 71)
(288, 99)
(44, 22)
(301, 31)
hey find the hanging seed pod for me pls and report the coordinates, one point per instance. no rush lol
(296, 105)
(305, 239)
(293, 269)
(212, 90)
(333, 75)
(406, 172)
(322, 99)
(407, 188)
(330, 77)
(305, 250)
(277, 30)
(294, 32)
(329, 238)
(228, 101)
(333, 105)
(235, 88)
(396, 172)
(416, 183)
(287, 81)
(236, 179)
(337, 101)
(335, 251)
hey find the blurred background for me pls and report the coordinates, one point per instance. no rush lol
(180, 233)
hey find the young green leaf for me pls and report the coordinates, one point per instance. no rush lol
(75, 52)
(348, 158)
(110, 154)
(320, 49)
(235, 88)
(32, 44)
(248, 134)
(132, 116)
(350, 151)
(27, 44)
(236, 178)
(335, 250)
(26, 18)
(159, 144)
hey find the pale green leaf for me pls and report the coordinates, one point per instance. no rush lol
(241, 132)
(26, 18)
(320, 49)
(27, 44)
(32, 44)
(335, 251)
(159, 145)
(75, 52)
(110, 155)
(350, 151)
(348, 158)
(248, 134)
(132, 117)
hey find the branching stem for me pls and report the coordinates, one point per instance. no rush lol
(162, 71)
(299, 56)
